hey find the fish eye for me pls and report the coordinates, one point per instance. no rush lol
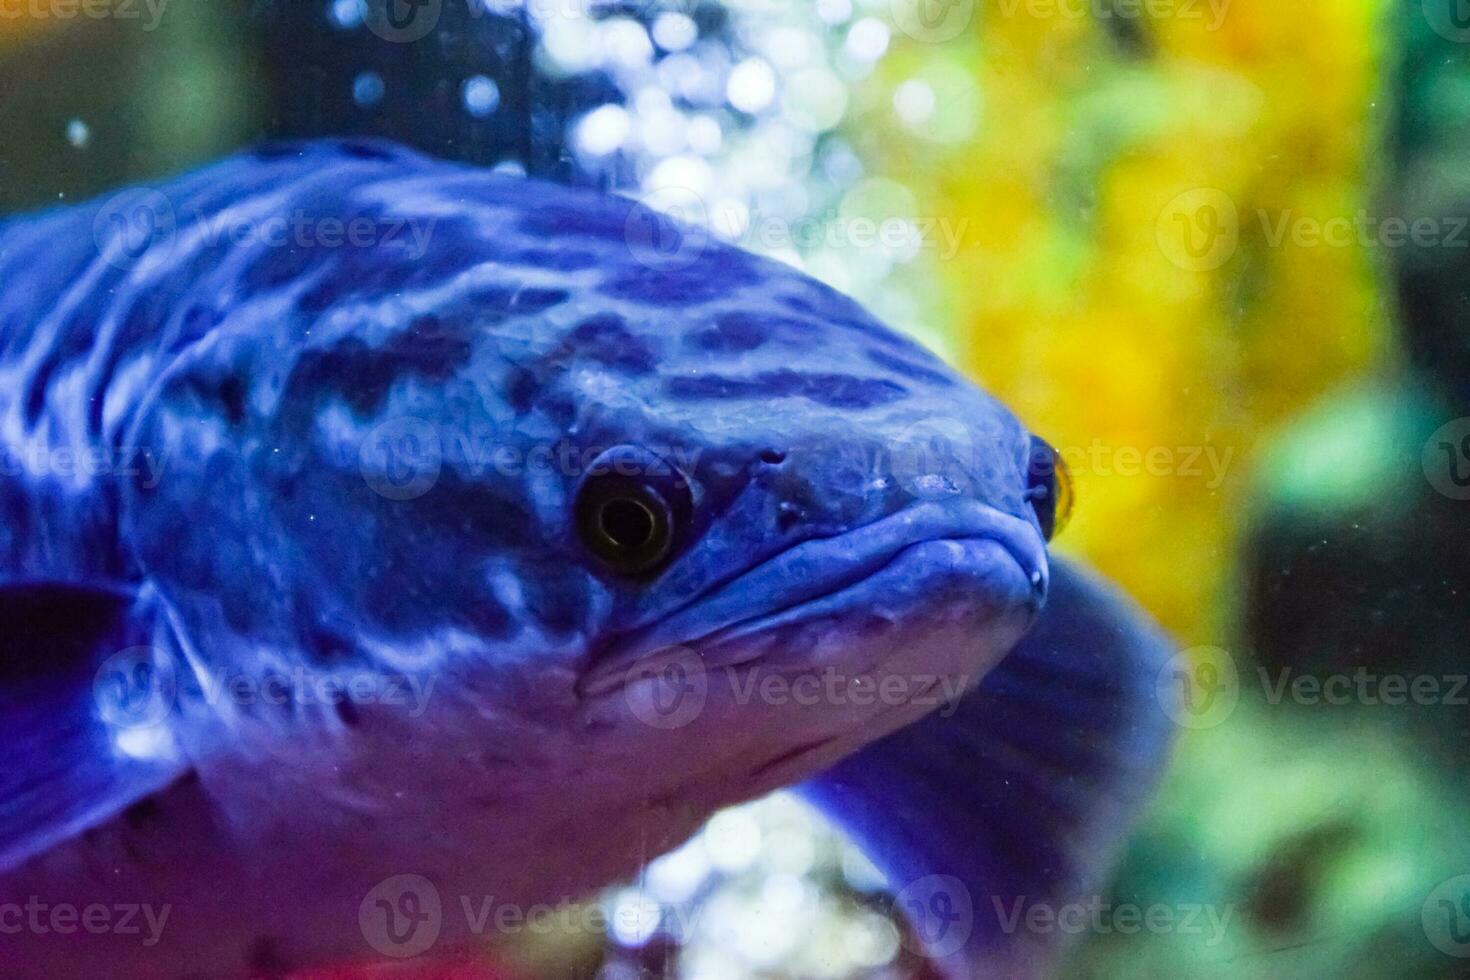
(1048, 487)
(630, 509)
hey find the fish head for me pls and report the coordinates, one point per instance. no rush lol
(588, 472)
(803, 530)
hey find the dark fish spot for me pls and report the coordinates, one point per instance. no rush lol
(318, 298)
(215, 396)
(457, 524)
(587, 222)
(718, 273)
(607, 340)
(741, 330)
(520, 389)
(909, 369)
(830, 306)
(389, 267)
(347, 712)
(231, 396)
(535, 300)
(328, 646)
(494, 303)
(731, 332)
(559, 259)
(282, 264)
(558, 407)
(363, 375)
(835, 390)
(36, 392)
(801, 305)
(366, 150)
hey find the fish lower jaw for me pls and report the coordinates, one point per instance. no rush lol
(910, 567)
(851, 631)
(798, 690)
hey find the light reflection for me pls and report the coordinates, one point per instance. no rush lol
(752, 85)
(481, 96)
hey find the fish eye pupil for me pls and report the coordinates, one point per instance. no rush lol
(631, 510)
(627, 523)
(629, 526)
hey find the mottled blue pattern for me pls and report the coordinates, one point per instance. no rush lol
(520, 298)
(364, 454)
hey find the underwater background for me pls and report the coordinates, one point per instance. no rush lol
(1217, 250)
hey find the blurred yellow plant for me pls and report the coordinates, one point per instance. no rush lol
(1144, 274)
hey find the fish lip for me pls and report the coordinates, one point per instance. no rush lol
(847, 559)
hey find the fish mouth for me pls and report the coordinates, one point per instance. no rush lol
(882, 569)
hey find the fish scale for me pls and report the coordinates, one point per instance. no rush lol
(523, 455)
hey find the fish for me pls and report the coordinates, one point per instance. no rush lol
(387, 542)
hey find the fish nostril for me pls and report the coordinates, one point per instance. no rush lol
(772, 457)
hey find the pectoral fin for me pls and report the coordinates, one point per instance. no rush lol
(84, 706)
(1019, 796)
